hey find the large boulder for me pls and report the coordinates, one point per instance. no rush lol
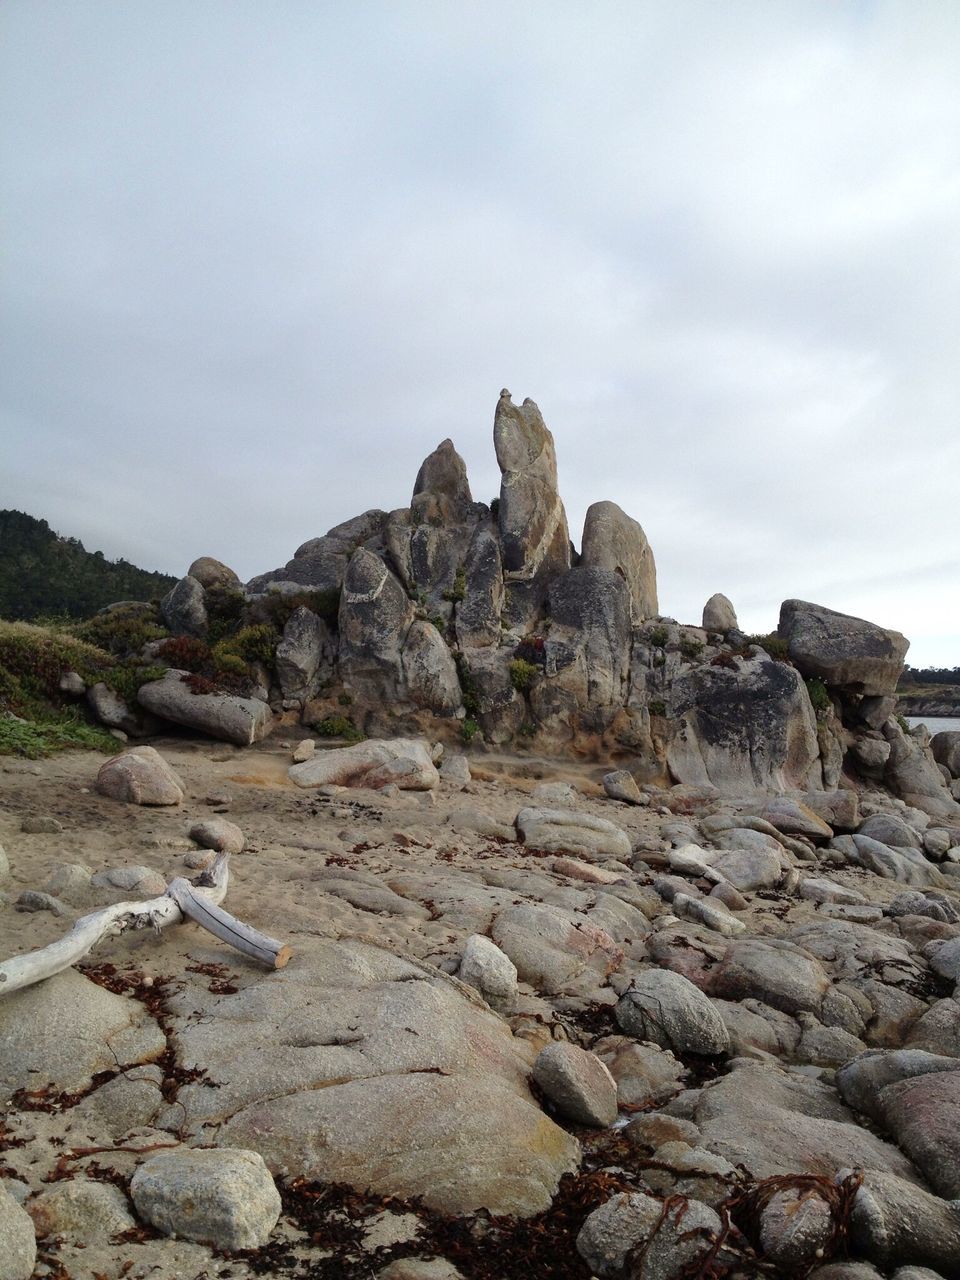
(375, 616)
(668, 1009)
(221, 715)
(587, 653)
(141, 776)
(388, 1076)
(719, 615)
(614, 541)
(556, 950)
(305, 654)
(429, 671)
(212, 573)
(946, 750)
(478, 613)
(374, 763)
(184, 608)
(531, 519)
(847, 653)
(914, 775)
(17, 1239)
(441, 491)
(744, 728)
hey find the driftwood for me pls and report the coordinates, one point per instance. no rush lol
(198, 900)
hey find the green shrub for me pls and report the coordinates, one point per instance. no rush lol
(658, 636)
(459, 588)
(338, 727)
(122, 632)
(658, 707)
(527, 730)
(225, 607)
(345, 700)
(228, 663)
(186, 653)
(469, 729)
(819, 697)
(773, 644)
(468, 686)
(37, 738)
(522, 674)
(325, 604)
(32, 660)
(901, 721)
(690, 647)
(126, 680)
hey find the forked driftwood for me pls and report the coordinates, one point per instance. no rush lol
(198, 900)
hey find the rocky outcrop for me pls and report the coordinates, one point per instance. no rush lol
(614, 541)
(587, 654)
(744, 727)
(212, 573)
(375, 616)
(441, 492)
(846, 653)
(429, 672)
(321, 563)
(304, 657)
(184, 608)
(478, 613)
(719, 615)
(912, 772)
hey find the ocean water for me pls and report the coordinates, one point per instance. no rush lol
(936, 724)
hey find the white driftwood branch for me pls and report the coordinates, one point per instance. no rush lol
(198, 901)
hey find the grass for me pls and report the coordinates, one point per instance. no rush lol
(34, 739)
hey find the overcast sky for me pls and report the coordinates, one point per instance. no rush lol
(261, 256)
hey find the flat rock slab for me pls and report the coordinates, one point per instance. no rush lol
(569, 831)
(64, 1031)
(407, 762)
(221, 715)
(365, 1068)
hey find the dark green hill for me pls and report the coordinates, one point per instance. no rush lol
(42, 574)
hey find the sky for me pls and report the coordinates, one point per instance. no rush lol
(259, 257)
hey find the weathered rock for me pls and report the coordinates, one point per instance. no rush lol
(320, 563)
(218, 834)
(673, 1240)
(744, 728)
(129, 879)
(912, 773)
(65, 1030)
(938, 1030)
(305, 654)
(569, 831)
(906, 865)
(485, 967)
(587, 652)
(501, 709)
(668, 1009)
(890, 830)
(221, 715)
(748, 869)
(846, 653)
(840, 810)
(614, 541)
(80, 1209)
(645, 1074)
(141, 776)
(408, 761)
(184, 608)
(212, 573)
(36, 900)
(577, 1083)
(70, 682)
(429, 671)
(895, 1221)
(621, 785)
(42, 824)
(534, 538)
(936, 906)
(818, 890)
(421, 1269)
(923, 1114)
(793, 818)
(946, 750)
(390, 1075)
(772, 970)
(649, 1132)
(555, 950)
(455, 768)
(111, 710)
(375, 615)
(719, 615)
(478, 613)
(441, 490)
(225, 1198)
(795, 1227)
(18, 1244)
(870, 755)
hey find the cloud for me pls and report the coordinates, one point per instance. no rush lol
(261, 260)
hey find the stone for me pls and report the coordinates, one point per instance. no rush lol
(771, 970)
(304, 750)
(651, 1131)
(441, 490)
(748, 869)
(840, 810)
(587, 650)
(946, 750)
(923, 1115)
(41, 825)
(455, 769)
(912, 773)
(935, 906)
(577, 1083)
(621, 785)
(225, 1198)
(35, 900)
(408, 762)
(304, 655)
(793, 818)
(845, 652)
(569, 831)
(907, 865)
(140, 776)
(938, 1030)
(184, 608)
(477, 620)
(555, 950)
(218, 834)
(130, 879)
(72, 684)
(710, 913)
(221, 715)
(70, 881)
(719, 615)
(65, 1030)
(890, 830)
(819, 890)
(674, 1240)
(111, 710)
(945, 959)
(212, 573)
(485, 967)
(936, 842)
(81, 1210)
(420, 1269)
(669, 1010)
(755, 1025)
(18, 1243)
(532, 524)
(429, 672)
(645, 1074)
(795, 1227)
(375, 615)
(871, 754)
(894, 1221)
(614, 541)
(744, 728)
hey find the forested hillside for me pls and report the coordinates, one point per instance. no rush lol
(44, 574)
